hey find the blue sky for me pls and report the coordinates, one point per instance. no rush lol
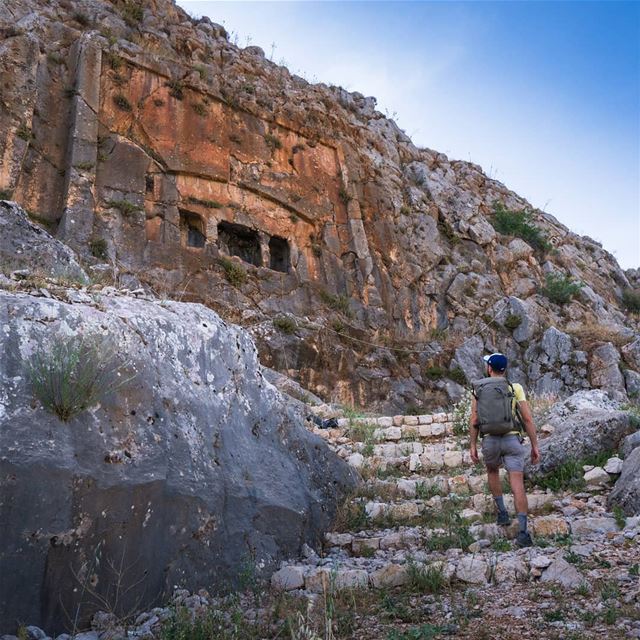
(545, 96)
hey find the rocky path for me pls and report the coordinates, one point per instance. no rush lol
(423, 518)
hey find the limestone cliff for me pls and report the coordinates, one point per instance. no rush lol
(144, 138)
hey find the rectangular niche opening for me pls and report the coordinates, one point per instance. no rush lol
(238, 240)
(279, 254)
(192, 229)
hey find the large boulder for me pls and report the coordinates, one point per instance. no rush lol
(189, 471)
(24, 246)
(626, 492)
(585, 424)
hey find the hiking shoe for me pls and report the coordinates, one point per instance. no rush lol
(524, 539)
(503, 519)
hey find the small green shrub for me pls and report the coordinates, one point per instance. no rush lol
(425, 578)
(125, 207)
(405, 210)
(560, 288)
(132, 13)
(24, 132)
(634, 570)
(512, 322)
(457, 375)
(84, 166)
(74, 373)
(631, 300)
(122, 102)
(426, 491)
(423, 632)
(344, 196)
(200, 108)
(113, 60)
(501, 545)
(273, 142)
(235, 273)
(81, 18)
(619, 515)
(98, 248)
(6, 194)
(336, 302)
(285, 324)
(176, 89)
(520, 224)
(55, 58)
(435, 372)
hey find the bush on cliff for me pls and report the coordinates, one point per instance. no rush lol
(73, 373)
(560, 288)
(520, 224)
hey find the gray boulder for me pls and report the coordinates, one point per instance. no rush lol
(585, 424)
(630, 443)
(25, 245)
(626, 492)
(191, 471)
(604, 368)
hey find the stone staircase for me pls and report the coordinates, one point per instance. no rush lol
(424, 507)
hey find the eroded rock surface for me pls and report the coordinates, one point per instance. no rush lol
(191, 470)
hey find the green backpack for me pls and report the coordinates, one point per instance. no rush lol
(494, 401)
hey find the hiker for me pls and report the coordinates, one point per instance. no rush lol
(499, 409)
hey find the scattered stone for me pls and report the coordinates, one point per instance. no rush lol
(562, 572)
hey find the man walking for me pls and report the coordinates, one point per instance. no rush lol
(496, 406)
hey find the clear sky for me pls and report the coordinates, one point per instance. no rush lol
(545, 96)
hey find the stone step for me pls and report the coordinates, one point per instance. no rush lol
(397, 421)
(395, 496)
(482, 568)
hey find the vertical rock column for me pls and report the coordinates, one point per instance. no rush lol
(76, 225)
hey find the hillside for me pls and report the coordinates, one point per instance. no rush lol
(145, 139)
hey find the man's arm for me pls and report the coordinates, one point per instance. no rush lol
(473, 432)
(530, 428)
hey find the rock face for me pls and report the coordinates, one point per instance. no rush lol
(28, 248)
(585, 424)
(147, 138)
(189, 471)
(626, 492)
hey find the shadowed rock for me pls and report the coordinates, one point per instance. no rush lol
(190, 472)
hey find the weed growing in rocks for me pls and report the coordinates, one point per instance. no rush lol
(71, 374)
(209, 204)
(132, 13)
(176, 89)
(273, 142)
(462, 414)
(631, 300)
(235, 274)
(336, 302)
(98, 248)
(125, 207)
(122, 102)
(423, 632)
(425, 578)
(560, 288)
(520, 224)
(512, 322)
(285, 324)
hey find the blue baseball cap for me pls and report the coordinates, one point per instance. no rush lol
(497, 361)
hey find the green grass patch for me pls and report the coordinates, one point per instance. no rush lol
(425, 578)
(98, 248)
(512, 322)
(273, 142)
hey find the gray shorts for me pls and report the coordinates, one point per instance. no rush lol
(506, 450)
